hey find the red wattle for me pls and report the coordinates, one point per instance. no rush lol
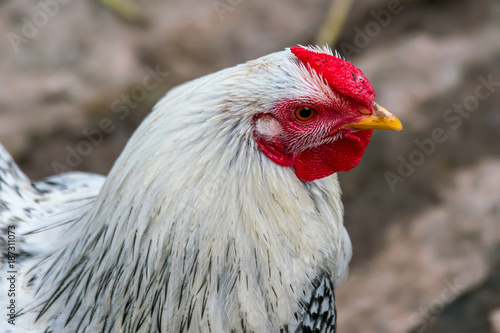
(341, 155)
(274, 151)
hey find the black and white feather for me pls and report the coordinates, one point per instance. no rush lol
(193, 230)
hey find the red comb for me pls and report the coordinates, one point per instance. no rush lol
(339, 74)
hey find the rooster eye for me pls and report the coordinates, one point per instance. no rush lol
(304, 113)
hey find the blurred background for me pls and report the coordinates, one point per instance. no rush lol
(423, 207)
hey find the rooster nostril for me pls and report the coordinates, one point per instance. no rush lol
(365, 111)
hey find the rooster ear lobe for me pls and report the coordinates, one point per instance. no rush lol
(268, 127)
(268, 134)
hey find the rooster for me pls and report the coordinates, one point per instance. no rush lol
(222, 214)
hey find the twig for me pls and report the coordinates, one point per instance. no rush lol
(331, 29)
(127, 9)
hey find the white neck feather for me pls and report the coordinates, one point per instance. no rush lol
(193, 208)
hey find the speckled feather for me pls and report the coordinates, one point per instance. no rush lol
(193, 230)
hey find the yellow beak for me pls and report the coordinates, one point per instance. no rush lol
(380, 118)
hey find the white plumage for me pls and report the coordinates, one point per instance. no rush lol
(193, 230)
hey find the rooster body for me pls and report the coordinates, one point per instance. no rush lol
(199, 227)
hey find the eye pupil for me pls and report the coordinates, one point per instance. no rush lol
(304, 113)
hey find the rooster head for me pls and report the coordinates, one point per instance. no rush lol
(327, 128)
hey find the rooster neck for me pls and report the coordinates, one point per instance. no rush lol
(193, 220)
(236, 236)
